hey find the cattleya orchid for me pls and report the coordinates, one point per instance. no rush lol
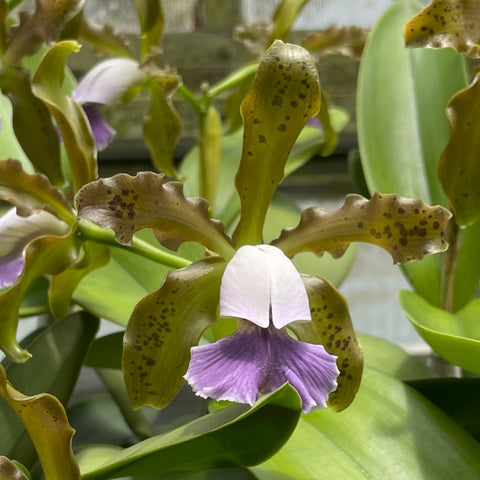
(104, 84)
(251, 281)
(16, 233)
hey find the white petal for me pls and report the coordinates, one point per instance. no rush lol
(259, 282)
(288, 296)
(17, 232)
(245, 288)
(107, 81)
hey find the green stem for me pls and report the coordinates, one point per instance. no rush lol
(188, 96)
(233, 79)
(449, 265)
(90, 231)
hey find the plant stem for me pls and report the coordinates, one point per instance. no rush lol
(449, 265)
(90, 231)
(188, 96)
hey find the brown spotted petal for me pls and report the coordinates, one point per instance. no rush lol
(284, 95)
(30, 192)
(446, 23)
(408, 229)
(127, 204)
(164, 326)
(46, 422)
(331, 327)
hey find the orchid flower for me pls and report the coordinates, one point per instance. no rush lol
(255, 283)
(105, 83)
(16, 233)
(262, 288)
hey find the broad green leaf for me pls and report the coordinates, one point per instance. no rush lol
(10, 471)
(457, 397)
(150, 16)
(71, 120)
(106, 352)
(48, 255)
(32, 124)
(64, 284)
(402, 128)
(162, 125)
(57, 356)
(219, 439)
(10, 146)
(135, 419)
(455, 337)
(282, 213)
(407, 229)
(127, 204)
(331, 327)
(390, 359)
(389, 431)
(450, 23)
(467, 272)
(163, 327)
(210, 154)
(46, 422)
(29, 192)
(283, 18)
(284, 95)
(459, 165)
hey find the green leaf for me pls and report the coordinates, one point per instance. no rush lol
(401, 100)
(390, 359)
(163, 327)
(390, 431)
(402, 129)
(29, 192)
(284, 95)
(459, 165)
(220, 439)
(407, 229)
(127, 204)
(162, 125)
(106, 352)
(33, 125)
(331, 327)
(47, 255)
(455, 24)
(57, 356)
(455, 337)
(457, 397)
(71, 120)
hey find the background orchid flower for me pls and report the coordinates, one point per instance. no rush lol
(105, 83)
(167, 323)
(16, 233)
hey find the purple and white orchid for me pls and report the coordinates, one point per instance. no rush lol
(105, 83)
(16, 233)
(262, 288)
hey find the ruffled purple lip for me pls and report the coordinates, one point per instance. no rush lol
(10, 271)
(257, 360)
